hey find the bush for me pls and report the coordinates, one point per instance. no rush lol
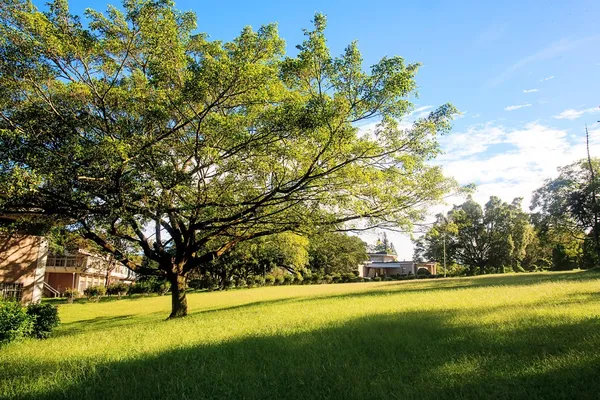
(15, 323)
(328, 278)
(423, 272)
(359, 279)
(269, 280)
(162, 288)
(336, 278)
(139, 288)
(117, 289)
(95, 292)
(71, 294)
(279, 280)
(298, 278)
(288, 279)
(376, 279)
(45, 319)
(348, 277)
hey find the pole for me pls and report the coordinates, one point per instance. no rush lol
(444, 256)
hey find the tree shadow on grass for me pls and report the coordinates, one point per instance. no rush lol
(409, 355)
(392, 288)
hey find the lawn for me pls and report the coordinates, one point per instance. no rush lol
(529, 336)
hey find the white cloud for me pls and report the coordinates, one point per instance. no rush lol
(530, 90)
(504, 162)
(420, 112)
(512, 108)
(551, 51)
(572, 114)
(547, 79)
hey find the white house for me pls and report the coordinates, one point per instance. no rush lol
(381, 264)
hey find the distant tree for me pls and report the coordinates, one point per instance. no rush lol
(481, 239)
(568, 204)
(146, 137)
(383, 245)
(336, 253)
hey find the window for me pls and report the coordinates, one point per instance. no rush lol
(13, 291)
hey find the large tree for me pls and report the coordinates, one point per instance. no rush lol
(482, 239)
(148, 137)
(568, 205)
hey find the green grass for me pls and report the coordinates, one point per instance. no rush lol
(529, 336)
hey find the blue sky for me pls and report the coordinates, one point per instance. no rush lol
(525, 74)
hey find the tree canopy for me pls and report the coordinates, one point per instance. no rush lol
(480, 238)
(144, 136)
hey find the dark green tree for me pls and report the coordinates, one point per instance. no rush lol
(336, 253)
(568, 204)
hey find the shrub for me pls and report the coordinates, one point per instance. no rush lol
(269, 280)
(139, 288)
(117, 289)
(45, 319)
(348, 277)
(279, 280)
(288, 279)
(95, 292)
(423, 272)
(298, 278)
(162, 288)
(376, 279)
(70, 294)
(328, 278)
(336, 278)
(15, 323)
(359, 279)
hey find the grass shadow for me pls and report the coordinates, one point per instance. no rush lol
(410, 355)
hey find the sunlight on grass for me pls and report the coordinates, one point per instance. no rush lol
(437, 338)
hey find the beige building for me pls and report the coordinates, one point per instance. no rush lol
(22, 267)
(388, 265)
(28, 272)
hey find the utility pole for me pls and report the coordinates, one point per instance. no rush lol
(444, 254)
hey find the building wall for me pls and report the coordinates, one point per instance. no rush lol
(23, 260)
(61, 282)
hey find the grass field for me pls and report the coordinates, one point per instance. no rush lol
(529, 336)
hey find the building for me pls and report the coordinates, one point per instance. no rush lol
(383, 265)
(28, 271)
(22, 267)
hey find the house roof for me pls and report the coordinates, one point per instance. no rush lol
(391, 264)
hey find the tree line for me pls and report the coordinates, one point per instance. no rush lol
(560, 232)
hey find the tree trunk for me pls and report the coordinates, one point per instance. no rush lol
(178, 299)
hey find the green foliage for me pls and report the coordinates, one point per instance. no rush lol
(15, 322)
(135, 121)
(288, 279)
(483, 240)
(423, 272)
(117, 289)
(269, 280)
(565, 208)
(95, 292)
(383, 245)
(45, 319)
(71, 293)
(336, 252)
